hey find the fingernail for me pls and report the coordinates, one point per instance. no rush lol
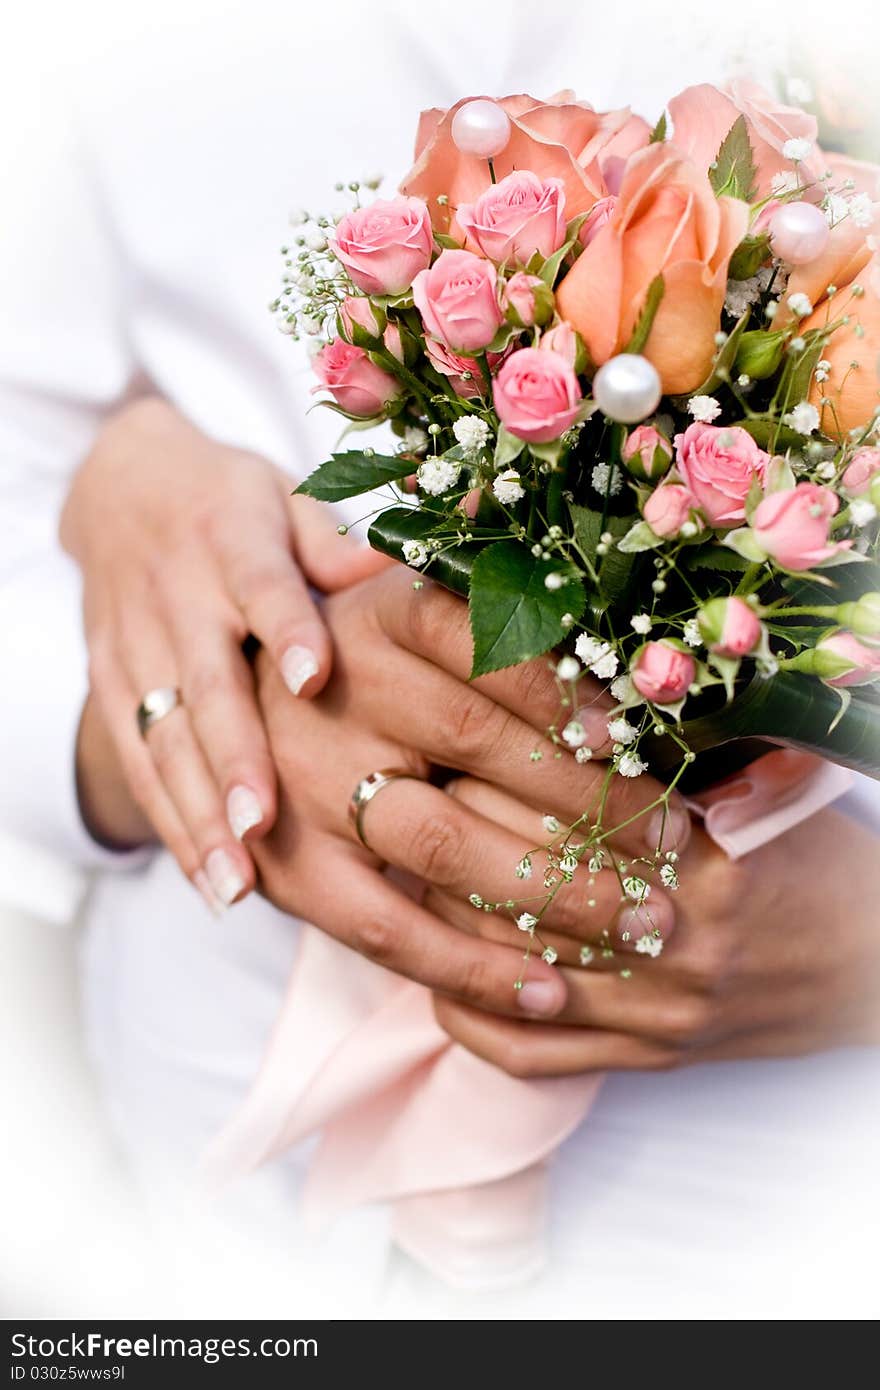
(243, 811)
(669, 831)
(298, 665)
(594, 723)
(656, 915)
(200, 880)
(225, 880)
(540, 997)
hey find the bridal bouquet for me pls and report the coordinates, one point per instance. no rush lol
(632, 376)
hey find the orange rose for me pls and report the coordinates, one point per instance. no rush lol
(561, 139)
(667, 221)
(853, 351)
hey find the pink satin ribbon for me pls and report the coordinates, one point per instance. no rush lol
(409, 1117)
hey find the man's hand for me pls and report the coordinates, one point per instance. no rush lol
(776, 954)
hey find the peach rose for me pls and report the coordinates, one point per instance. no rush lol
(536, 395)
(719, 463)
(357, 385)
(852, 387)
(515, 218)
(702, 117)
(558, 139)
(458, 300)
(666, 221)
(384, 245)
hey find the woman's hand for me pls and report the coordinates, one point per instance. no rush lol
(776, 954)
(399, 697)
(187, 547)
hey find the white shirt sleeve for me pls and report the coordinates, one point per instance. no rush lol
(64, 361)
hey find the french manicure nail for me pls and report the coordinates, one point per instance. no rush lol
(669, 831)
(200, 879)
(594, 723)
(225, 880)
(540, 997)
(298, 665)
(243, 811)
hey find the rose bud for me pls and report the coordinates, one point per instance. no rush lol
(384, 245)
(458, 302)
(663, 672)
(668, 508)
(647, 453)
(860, 474)
(359, 321)
(729, 627)
(536, 395)
(862, 616)
(864, 662)
(392, 341)
(357, 385)
(568, 343)
(793, 526)
(526, 300)
(596, 218)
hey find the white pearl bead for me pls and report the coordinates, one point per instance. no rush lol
(799, 233)
(481, 127)
(627, 388)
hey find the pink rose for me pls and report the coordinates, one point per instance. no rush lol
(384, 245)
(793, 526)
(663, 673)
(515, 218)
(861, 472)
(569, 344)
(356, 384)
(598, 215)
(865, 660)
(729, 627)
(647, 453)
(392, 341)
(359, 318)
(719, 465)
(458, 302)
(526, 300)
(536, 395)
(456, 368)
(668, 508)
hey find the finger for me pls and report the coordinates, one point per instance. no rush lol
(361, 908)
(218, 692)
(329, 560)
(182, 768)
(543, 1049)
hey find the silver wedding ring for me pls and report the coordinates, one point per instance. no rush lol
(155, 705)
(363, 794)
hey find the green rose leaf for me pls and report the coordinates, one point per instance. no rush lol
(645, 321)
(733, 173)
(514, 616)
(639, 537)
(348, 474)
(658, 134)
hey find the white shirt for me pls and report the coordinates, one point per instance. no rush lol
(144, 201)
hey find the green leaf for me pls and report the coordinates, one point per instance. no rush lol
(514, 616)
(645, 321)
(550, 269)
(639, 537)
(658, 134)
(616, 571)
(767, 431)
(759, 353)
(749, 256)
(506, 333)
(348, 474)
(794, 385)
(744, 543)
(507, 447)
(733, 172)
(446, 242)
(714, 557)
(724, 361)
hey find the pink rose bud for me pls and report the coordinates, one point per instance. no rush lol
(458, 302)
(863, 468)
(865, 668)
(568, 343)
(384, 245)
(464, 373)
(719, 463)
(536, 395)
(598, 215)
(515, 218)
(668, 508)
(647, 453)
(392, 341)
(663, 672)
(357, 385)
(526, 300)
(792, 526)
(360, 321)
(729, 627)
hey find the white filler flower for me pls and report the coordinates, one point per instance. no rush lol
(507, 487)
(438, 475)
(471, 432)
(705, 409)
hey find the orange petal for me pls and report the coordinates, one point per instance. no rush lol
(589, 296)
